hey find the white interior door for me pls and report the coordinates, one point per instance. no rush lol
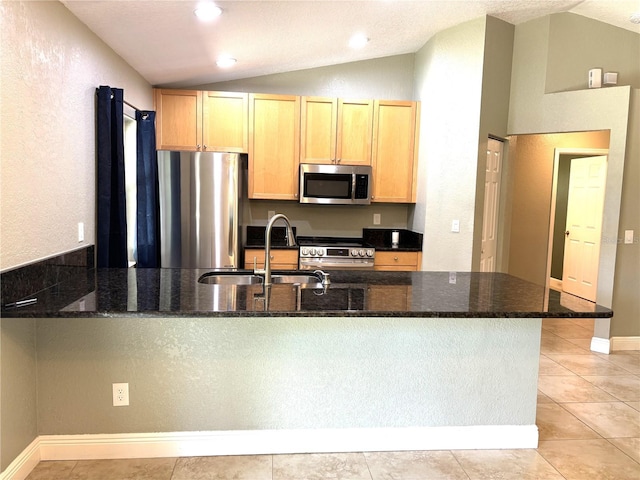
(584, 226)
(491, 203)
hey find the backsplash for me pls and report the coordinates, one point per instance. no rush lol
(57, 278)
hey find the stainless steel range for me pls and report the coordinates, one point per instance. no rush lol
(327, 253)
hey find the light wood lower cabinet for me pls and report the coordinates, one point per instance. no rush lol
(283, 298)
(389, 298)
(398, 261)
(281, 259)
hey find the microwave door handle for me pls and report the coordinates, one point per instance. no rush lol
(353, 186)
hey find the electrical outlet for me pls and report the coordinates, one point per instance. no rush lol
(270, 213)
(120, 394)
(376, 219)
(628, 236)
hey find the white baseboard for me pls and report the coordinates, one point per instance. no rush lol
(21, 467)
(555, 284)
(625, 343)
(173, 444)
(600, 345)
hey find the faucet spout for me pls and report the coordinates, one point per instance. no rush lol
(291, 241)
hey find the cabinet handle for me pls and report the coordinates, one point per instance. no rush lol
(198, 147)
(395, 258)
(271, 257)
(204, 147)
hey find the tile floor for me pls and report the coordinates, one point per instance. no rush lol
(588, 418)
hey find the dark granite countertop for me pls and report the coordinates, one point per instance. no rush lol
(177, 292)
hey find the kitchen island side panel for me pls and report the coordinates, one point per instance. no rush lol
(197, 374)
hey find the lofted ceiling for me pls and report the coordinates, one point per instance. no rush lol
(165, 42)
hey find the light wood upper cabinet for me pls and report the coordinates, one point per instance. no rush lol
(201, 121)
(395, 151)
(225, 122)
(178, 119)
(274, 146)
(336, 131)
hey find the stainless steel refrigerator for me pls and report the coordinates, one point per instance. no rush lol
(200, 209)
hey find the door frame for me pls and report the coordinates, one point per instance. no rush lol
(557, 153)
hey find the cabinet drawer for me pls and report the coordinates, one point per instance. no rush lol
(280, 259)
(397, 261)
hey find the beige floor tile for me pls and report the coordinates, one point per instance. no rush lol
(437, 465)
(240, 467)
(556, 423)
(630, 361)
(561, 388)
(542, 398)
(583, 322)
(584, 343)
(634, 405)
(623, 387)
(549, 367)
(51, 471)
(587, 364)
(630, 446)
(129, 469)
(568, 330)
(611, 420)
(554, 344)
(321, 466)
(589, 460)
(505, 465)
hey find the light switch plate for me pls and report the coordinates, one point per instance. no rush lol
(455, 226)
(376, 219)
(628, 236)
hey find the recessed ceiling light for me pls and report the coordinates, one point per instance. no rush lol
(359, 40)
(635, 18)
(226, 62)
(207, 11)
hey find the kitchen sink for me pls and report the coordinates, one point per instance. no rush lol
(249, 278)
(296, 279)
(230, 278)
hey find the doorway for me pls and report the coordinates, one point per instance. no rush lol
(576, 220)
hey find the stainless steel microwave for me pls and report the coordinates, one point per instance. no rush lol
(335, 184)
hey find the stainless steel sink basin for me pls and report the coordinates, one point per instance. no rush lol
(296, 279)
(231, 278)
(303, 279)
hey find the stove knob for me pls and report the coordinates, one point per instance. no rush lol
(320, 252)
(312, 251)
(369, 253)
(354, 253)
(362, 253)
(304, 251)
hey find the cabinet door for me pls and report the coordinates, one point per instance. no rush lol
(319, 117)
(394, 151)
(274, 146)
(281, 259)
(178, 119)
(389, 298)
(225, 122)
(355, 127)
(397, 261)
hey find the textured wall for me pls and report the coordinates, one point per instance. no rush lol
(579, 44)
(448, 81)
(285, 373)
(51, 66)
(388, 78)
(18, 382)
(533, 111)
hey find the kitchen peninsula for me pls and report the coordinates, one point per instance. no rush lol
(373, 361)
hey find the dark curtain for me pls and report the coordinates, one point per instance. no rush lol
(148, 229)
(111, 242)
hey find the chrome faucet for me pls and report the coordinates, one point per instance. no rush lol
(291, 241)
